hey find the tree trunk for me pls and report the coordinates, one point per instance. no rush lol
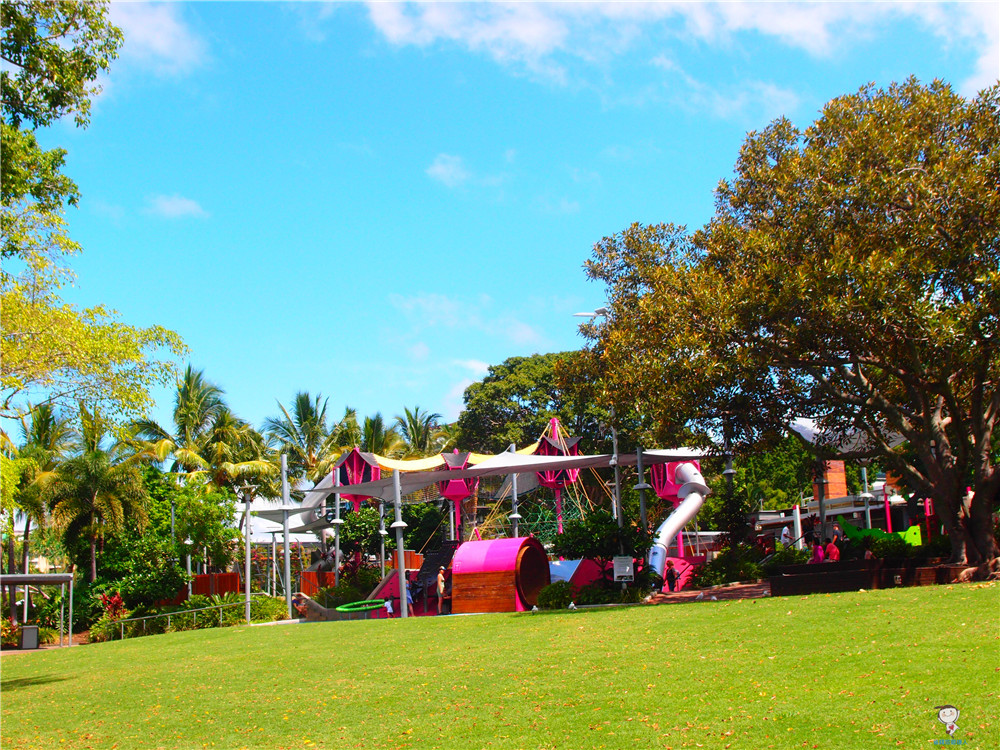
(26, 562)
(93, 548)
(981, 526)
(11, 568)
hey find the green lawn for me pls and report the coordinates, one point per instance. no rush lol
(857, 670)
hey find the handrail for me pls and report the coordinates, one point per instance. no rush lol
(168, 615)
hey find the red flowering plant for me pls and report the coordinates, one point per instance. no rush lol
(114, 606)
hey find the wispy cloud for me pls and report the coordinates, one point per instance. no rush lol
(175, 207)
(157, 37)
(449, 170)
(476, 367)
(560, 42)
(474, 317)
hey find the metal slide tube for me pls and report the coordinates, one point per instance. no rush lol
(693, 491)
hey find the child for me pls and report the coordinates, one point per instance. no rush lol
(671, 575)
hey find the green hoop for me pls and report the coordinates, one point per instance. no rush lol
(365, 606)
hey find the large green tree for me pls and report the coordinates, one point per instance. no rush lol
(98, 489)
(52, 54)
(516, 400)
(851, 273)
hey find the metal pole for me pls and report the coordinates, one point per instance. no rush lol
(247, 499)
(190, 582)
(514, 515)
(642, 487)
(173, 542)
(451, 521)
(382, 533)
(798, 527)
(73, 571)
(274, 563)
(285, 500)
(337, 521)
(62, 610)
(821, 496)
(614, 462)
(399, 525)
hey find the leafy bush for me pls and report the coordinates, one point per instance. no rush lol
(556, 595)
(739, 563)
(598, 593)
(785, 556)
(342, 593)
(268, 609)
(10, 632)
(890, 546)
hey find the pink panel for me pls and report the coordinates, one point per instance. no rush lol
(663, 479)
(488, 556)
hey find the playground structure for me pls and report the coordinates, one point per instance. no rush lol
(503, 574)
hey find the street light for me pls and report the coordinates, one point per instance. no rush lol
(187, 545)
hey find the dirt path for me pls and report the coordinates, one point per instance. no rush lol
(717, 593)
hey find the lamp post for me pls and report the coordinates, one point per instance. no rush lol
(247, 499)
(187, 545)
(641, 487)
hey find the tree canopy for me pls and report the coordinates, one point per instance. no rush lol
(851, 274)
(516, 400)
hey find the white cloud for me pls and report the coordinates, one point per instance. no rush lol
(477, 367)
(545, 39)
(558, 206)
(420, 351)
(448, 170)
(157, 37)
(454, 401)
(175, 207)
(473, 318)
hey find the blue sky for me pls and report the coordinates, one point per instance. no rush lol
(375, 202)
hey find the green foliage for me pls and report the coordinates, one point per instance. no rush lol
(850, 270)
(784, 556)
(10, 632)
(424, 529)
(516, 400)
(359, 532)
(598, 537)
(732, 564)
(556, 595)
(343, 593)
(890, 546)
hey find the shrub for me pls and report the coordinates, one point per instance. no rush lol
(556, 595)
(739, 563)
(785, 556)
(890, 546)
(268, 609)
(10, 632)
(597, 593)
(342, 593)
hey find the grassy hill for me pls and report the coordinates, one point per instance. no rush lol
(855, 670)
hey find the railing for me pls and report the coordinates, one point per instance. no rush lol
(169, 615)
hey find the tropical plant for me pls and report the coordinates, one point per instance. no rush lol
(377, 438)
(234, 453)
(97, 489)
(418, 428)
(303, 435)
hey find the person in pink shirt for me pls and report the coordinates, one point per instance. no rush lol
(817, 556)
(832, 552)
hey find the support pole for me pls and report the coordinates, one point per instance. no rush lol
(247, 498)
(618, 484)
(274, 564)
(641, 487)
(399, 525)
(382, 534)
(73, 571)
(337, 522)
(514, 516)
(285, 500)
(798, 527)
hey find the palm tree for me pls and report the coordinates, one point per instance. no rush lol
(197, 404)
(97, 489)
(418, 428)
(234, 452)
(304, 436)
(46, 439)
(377, 438)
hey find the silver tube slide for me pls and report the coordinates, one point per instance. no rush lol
(693, 493)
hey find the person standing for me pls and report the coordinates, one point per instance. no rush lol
(671, 576)
(786, 537)
(440, 587)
